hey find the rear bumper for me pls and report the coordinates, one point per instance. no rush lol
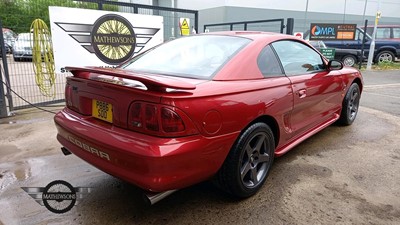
(154, 164)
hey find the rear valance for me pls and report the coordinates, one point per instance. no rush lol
(152, 82)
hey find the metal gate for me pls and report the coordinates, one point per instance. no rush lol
(18, 76)
(274, 25)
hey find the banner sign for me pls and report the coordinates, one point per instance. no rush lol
(325, 31)
(84, 37)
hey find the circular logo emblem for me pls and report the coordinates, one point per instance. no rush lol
(59, 196)
(113, 39)
(316, 30)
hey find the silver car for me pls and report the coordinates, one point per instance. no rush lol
(23, 47)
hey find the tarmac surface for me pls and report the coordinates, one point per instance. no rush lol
(342, 175)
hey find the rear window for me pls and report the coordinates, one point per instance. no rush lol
(194, 56)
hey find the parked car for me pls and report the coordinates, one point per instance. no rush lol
(385, 50)
(386, 32)
(7, 48)
(349, 57)
(23, 47)
(210, 106)
(9, 37)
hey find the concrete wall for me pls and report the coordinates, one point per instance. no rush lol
(302, 20)
(318, 11)
(389, 8)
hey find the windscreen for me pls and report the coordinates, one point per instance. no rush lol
(194, 56)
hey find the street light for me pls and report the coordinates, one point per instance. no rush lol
(372, 46)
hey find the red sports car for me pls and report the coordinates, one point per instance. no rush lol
(214, 105)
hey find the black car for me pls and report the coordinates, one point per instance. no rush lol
(349, 57)
(385, 50)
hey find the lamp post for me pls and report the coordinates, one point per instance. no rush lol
(305, 17)
(365, 9)
(344, 11)
(372, 46)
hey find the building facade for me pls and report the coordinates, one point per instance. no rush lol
(303, 11)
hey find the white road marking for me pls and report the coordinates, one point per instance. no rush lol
(375, 86)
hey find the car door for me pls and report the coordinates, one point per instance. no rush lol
(352, 44)
(317, 91)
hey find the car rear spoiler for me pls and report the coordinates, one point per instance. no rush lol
(152, 82)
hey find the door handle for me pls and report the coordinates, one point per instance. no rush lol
(302, 93)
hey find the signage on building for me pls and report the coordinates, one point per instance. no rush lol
(101, 38)
(331, 31)
(299, 35)
(184, 26)
(329, 53)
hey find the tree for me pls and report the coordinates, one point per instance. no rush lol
(19, 14)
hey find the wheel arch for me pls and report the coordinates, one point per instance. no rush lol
(387, 48)
(358, 81)
(271, 122)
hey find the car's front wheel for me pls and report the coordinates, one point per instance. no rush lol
(349, 60)
(384, 56)
(350, 105)
(248, 163)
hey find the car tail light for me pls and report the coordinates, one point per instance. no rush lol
(136, 115)
(75, 102)
(159, 120)
(171, 122)
(68, 95)
(151, 121)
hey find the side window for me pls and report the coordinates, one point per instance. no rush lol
(359, 35)
(396, 32)
(268, 63)
(383, 32)
(370, 30)
(298, 58)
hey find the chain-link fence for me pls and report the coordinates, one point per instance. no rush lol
(18, 70)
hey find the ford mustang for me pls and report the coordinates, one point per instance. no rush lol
(214, 106)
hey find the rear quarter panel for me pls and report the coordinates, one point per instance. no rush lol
(223, 107)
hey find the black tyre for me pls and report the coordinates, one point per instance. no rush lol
(350, 105)
(248, 163)
(384, 56)
(349, 60)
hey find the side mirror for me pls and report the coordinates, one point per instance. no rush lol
(335, 65)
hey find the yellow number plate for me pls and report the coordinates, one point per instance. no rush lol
(102, 110)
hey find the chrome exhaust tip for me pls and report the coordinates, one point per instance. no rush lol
(153, 198)
(65, 151)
